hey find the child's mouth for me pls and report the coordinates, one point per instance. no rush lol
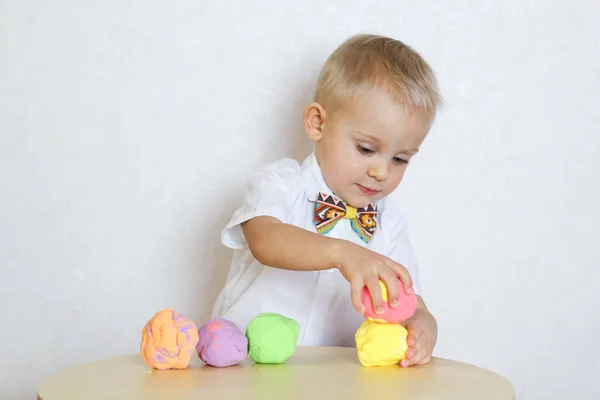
(368, 191)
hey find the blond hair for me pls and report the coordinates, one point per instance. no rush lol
(368, 60)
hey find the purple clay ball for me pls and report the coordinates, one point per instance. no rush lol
(222, 343)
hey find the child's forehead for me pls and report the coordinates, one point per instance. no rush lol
(378, 110)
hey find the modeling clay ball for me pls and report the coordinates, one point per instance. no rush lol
(272, 338)
(404, 310)
(168, 340)
(221, 343)
(380, 344)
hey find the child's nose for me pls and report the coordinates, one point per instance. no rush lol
(379, 172)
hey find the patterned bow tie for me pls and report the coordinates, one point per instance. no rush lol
(330, 209)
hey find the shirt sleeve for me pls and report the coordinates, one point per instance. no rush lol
(271, 191)
(401, 249)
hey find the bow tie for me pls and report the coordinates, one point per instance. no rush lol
(330, 209)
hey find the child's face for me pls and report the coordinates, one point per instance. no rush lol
(364, 147)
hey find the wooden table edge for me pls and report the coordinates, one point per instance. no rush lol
(39, 397)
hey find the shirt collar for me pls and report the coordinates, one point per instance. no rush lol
(313, 178)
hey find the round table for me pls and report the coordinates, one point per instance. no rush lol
(312, 373)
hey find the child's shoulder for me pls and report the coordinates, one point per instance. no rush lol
(285, 168)
(281, 167)
(280, 175)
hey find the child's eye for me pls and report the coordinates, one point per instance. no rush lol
(364, 150)
(399, 160)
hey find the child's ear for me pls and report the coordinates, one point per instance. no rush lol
(314, 120)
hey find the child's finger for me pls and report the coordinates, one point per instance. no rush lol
(412, 352)
(426, 360)
(393, 289)
(420, 356)
(375, 291)
(403, 274)
(356, 287)
(411, 341)
(415, 358)
(414, 346)
(413, 337)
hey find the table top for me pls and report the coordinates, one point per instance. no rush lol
(313, 372)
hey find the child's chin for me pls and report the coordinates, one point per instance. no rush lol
(364, 200)
(356, 202)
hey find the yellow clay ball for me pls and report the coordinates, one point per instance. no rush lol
(380, 344)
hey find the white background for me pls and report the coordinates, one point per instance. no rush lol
(128, 130)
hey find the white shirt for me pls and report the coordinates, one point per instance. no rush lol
(318, 300)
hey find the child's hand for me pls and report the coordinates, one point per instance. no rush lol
(362, 267)
(422, 337)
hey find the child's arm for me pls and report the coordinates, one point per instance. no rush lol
(422, 335)
(285, 246)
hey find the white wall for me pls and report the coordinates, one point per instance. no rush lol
(128, 129)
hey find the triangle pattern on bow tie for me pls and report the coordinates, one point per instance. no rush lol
(330, 209)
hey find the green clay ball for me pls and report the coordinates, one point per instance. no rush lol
(272, 338)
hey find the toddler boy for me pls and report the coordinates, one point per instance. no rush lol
(308, 237)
